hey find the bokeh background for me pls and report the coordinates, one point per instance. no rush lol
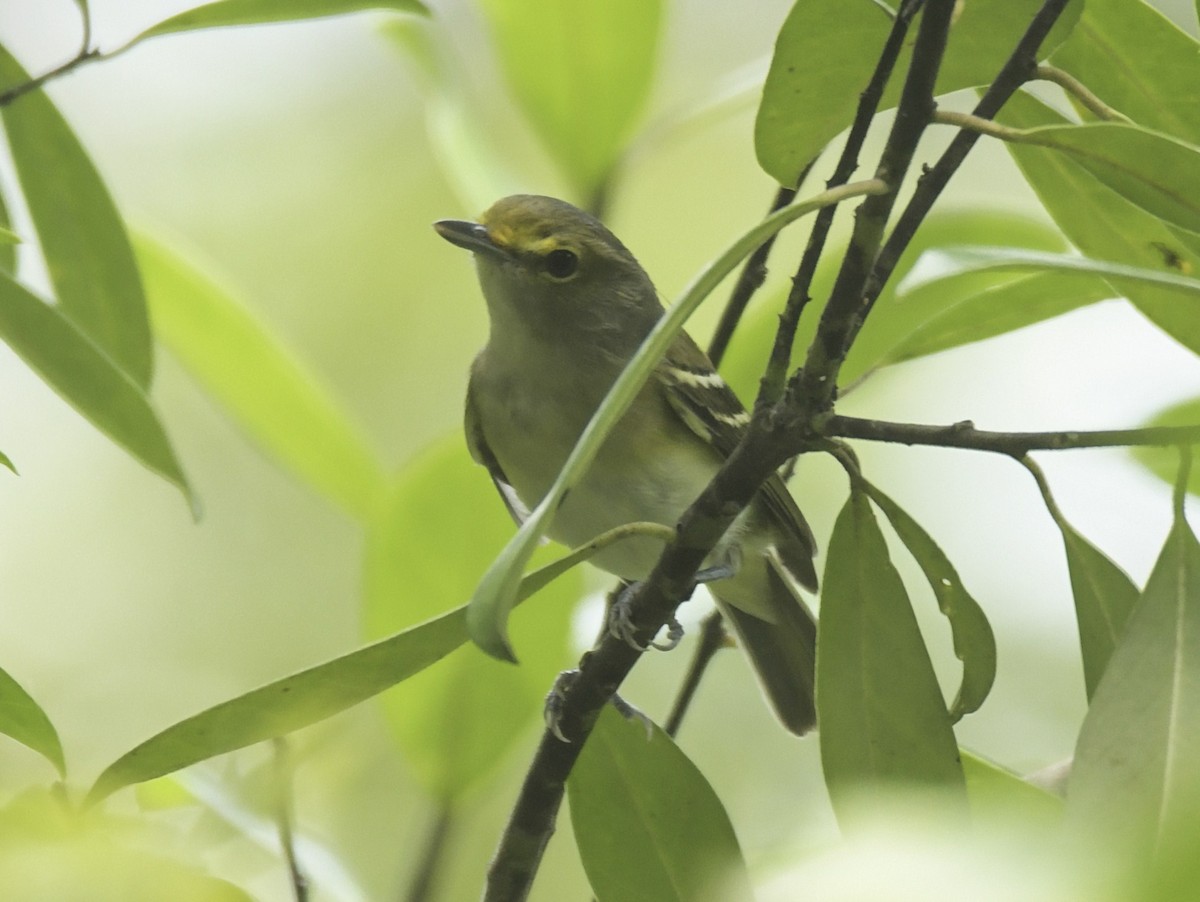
(294, 160)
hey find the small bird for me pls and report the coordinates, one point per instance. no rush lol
(568, 306)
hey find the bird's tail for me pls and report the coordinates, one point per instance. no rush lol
(783, 652)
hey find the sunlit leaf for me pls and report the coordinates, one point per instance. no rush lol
(1136, 779)
(494, 597)
(581, 71)
(441, 528)
(1155, 172)
(995, 791)
(883, 721)
(974, 643)
(1105, 226)
(648, 825)
(1014, 304)
(1164, 462)
(82, 237)
(257, 12)
(827, 50)
(1104, 594)
(260, 384)
(1159, 90)
(23, 719)
(86, 377)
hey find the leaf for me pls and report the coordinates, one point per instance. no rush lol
(257, 12)
(309, 695)
(8, 241)
(7, 462)
(87, 378)
(883, 721)
(1105, 226)
(82, 237)
(1104, 594)
(581, 71)
(953, 262)
(1156, 172)
(262, 387)
(1136, 779)
(647, 823)
(487, 615)
(827, 50)
(1159, 90)
(1164, 462)
(974, 643)
(455, 721)
(998, 792)
(23, 719)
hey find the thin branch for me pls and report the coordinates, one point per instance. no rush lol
(1080, 92)
(285, 819)
(980, 126)
(1020, 67)
(421, 888)
(771, 387)
(713, 637)
(1014, 444)
(753, 274)
(84, 56)
(815, 385)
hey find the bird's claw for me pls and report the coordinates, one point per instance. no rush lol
(621, 625)
(552, 712)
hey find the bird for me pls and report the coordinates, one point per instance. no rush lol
(568, 305)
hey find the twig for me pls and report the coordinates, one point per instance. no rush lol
(812, 390)
(798, 298)
(753, 274)
(1014, 444)
(284, 817)
(421, 888)
(1080, 92)
(85, 55)
(1020, 67)
(977, 124)
(713, 637)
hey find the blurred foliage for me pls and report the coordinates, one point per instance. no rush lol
(80, 303)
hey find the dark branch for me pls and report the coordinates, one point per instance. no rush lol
(1014, 444)
(713, 637)
(422, 887)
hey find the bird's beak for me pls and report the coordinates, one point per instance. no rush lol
(469, 235)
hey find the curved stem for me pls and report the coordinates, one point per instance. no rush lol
(1080, 92)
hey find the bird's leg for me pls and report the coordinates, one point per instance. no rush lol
(729, 562)
(621, 625)
(552, 713)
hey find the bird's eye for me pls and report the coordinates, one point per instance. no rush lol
(561, 263)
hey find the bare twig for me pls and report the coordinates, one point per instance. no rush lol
(284, 817)
(713, 637)
(421, 888)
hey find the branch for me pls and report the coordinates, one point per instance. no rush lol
(1014, 444)
(285, 819)
(1020, 67)
(1080, 92)
(421, 888)
(771, 387)
(713, 637)
(815, 385)
(85, 55)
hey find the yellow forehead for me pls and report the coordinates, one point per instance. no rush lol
(525, 237)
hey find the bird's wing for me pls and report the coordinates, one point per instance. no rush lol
(706, 403)
(482, 454)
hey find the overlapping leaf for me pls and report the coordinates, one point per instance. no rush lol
(23, 719)
(256, 12)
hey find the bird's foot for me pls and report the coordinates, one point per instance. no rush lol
(621, 625)
(552, 712)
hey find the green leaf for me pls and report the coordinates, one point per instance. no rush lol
(1155, 172)
(1105, 226)
(23, 719)
(883, 721)
(258, 382)
(7, 462)
(87, 378)
(999, 792)
(1164, 462)
(827, 50)
(494, 597)
(1106, 51)
(974, 642)
(581, 71)
(894, 316)
(972, 316)
(456, 721)
(1136, 779)
(82, 237)
(954, 262)
(258, 12)
(310, 695)
(648, 825)
(1104, 593)
(8, 241)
